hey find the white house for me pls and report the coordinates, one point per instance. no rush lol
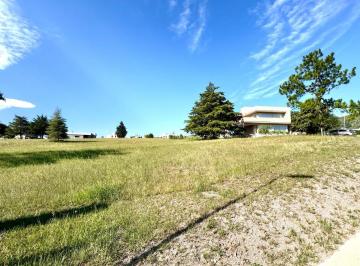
(269, 117)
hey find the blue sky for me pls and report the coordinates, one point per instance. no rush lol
(146, 61)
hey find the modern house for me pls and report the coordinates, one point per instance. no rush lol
(260, 118)
(81, 135)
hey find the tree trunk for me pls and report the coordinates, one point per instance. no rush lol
(322, 131)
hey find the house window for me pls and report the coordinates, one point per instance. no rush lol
(273, 127)
(270, 115)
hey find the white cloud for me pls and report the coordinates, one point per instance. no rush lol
(9, 103)
(294, 28)
(17, 37)
(191, 21)
(199, 28)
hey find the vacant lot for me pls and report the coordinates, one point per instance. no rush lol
(105, 201)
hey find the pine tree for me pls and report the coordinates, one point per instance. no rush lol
(19, 126)
(212, 116)
(121, 130)
(315, 78)
(39, 125)
(57, 129)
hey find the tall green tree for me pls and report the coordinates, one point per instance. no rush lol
(57, 129)
(212, 115)
(3, 128)
(121, 130)
(306, 120)
(315, 78)
(19, 126)
(39, 126)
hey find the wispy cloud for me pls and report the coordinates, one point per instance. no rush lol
(293, 28)
(17, 36)
(9, 103)
(191, 21)
(172, 4)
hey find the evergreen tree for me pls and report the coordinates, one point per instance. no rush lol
(306, 120)
(3, 128)
(212, 116)
(57, 129)
(121, 130)
(39, 125)
(316, 77)
(19, 126)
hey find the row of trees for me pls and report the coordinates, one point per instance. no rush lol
(55, 128)
(307, 93)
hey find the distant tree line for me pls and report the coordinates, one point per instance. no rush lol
(55, 128)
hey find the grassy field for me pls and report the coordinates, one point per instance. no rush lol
(101, 201)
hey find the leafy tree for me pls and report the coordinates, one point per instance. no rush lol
(9, 133)
(2, 97)
(3, 128)
(57, 129)
(39, 125)
(213, 115)
(354, 113)
(355, 122)
(306, 120)
(316, 77)
(121, 130)
(19, 126)
(149, 136)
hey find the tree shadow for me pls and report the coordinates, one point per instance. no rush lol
(301, 176)
(46, 217)
(8, 160)
(157, 246)
(38, 258)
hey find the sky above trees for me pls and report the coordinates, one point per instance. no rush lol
(145, 62)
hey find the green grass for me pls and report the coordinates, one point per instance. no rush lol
(99, 201)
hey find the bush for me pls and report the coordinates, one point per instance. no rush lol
(264, 130)
(149, 136)
(176, 136)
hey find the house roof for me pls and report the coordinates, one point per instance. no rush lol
(245, 111)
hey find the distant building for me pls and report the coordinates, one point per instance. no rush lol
(269, 117)
(81, 135)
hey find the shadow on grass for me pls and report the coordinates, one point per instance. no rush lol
(40, 258)
(8, 160)
(46, 217)
(301, 176)
(152, 249)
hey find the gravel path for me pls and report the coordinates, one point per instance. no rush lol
(279, 225)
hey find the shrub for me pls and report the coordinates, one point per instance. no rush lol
(149, 136)
(176, 136)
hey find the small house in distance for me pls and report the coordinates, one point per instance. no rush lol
(259, 118)
(81, 135)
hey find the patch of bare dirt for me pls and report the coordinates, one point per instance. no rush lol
(297, 220)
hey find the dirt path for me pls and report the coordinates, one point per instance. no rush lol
(278, 225)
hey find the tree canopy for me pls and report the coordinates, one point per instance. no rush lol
(212, 115)
(306, 120)
(57, 129)
(19, 126)
(315, 78)
(39, 126)
(121, 130)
